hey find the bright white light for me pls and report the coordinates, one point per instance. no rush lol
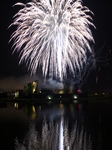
(16, 105)
(33, 90)
(75, 96)
(49, 97)
(61, 139)
(53, 34)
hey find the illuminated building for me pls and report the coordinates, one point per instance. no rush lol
(32, 88)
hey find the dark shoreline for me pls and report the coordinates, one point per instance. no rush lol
(59, 100)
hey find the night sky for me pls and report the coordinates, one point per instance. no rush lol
(11, 73)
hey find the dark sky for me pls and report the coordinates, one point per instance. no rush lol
(102, 10)
(8, 63)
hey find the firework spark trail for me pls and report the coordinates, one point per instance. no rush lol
(94, 61)
(54, 35)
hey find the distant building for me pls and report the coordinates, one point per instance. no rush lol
(32, 88)
(19, 94)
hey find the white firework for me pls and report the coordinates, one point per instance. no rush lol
(54, 35)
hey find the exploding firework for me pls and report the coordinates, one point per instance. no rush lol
(93, 64)
(54, 35)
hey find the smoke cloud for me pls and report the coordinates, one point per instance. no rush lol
(17, 83)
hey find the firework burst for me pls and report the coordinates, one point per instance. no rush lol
(54, 35)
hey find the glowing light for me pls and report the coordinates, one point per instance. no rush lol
(61, 91)
(79, 91)
(34, 86)
(16, 94)
(61, 140)
(75, 101)
(33, 109)
(16, 105)
(54, 35)
(49, 97)
(33, 113)
(75, 97)
(33, 90)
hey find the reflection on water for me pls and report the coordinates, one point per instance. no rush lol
(63, 128)
(16, 105)
(56, 136)
(31, 110)
(78, 125)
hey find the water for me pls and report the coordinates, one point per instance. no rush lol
(79, 125)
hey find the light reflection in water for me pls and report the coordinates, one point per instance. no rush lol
(33, 113)
(40, 107)
(16, 105)
(61, 138)
(56, 136)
